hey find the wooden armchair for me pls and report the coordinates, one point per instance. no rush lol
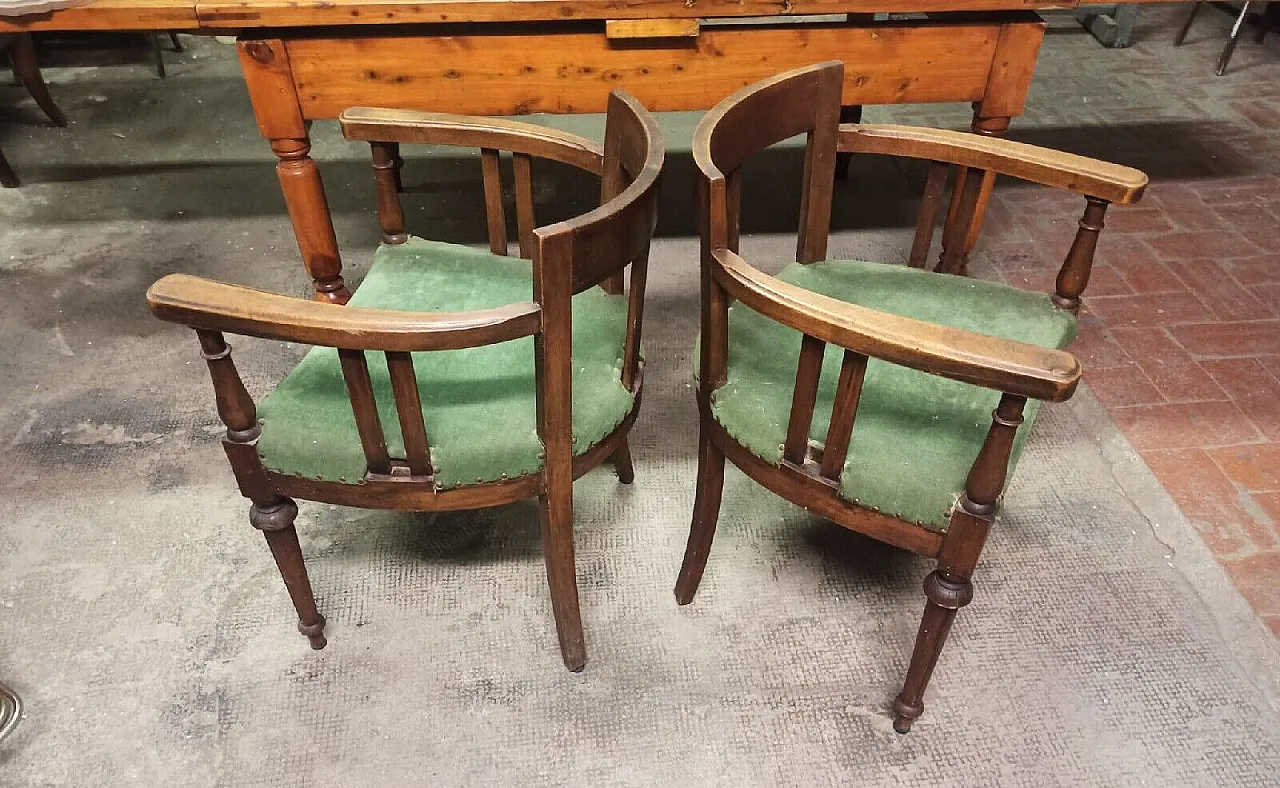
(919, 358)
(455, 378)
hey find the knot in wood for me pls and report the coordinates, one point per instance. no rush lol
(260, 52)
(273, 518)
(946, 592)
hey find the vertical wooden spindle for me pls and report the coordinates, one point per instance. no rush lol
(355, 370)
(733, 205)
(991, 467)
(934, 186)
(843, 412)
(808, 370)
(390, 213)
(522, 165)
(404, 387)
(235, 406)
(964, 205)
(1073, 277)
(493, 212)
(635, 320)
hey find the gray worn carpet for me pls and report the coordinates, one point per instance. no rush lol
(152, 638)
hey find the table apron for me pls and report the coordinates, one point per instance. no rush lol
(572, 68)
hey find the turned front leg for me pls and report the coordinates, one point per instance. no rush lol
(948, 588)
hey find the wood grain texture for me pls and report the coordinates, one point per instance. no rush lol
(674, 27)
(217, 306)
(1112, 182)
(103, 15)
(571, 71)
(844, 411)
(240, 14)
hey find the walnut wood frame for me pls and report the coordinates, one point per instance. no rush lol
(567, 257)
(807, 101)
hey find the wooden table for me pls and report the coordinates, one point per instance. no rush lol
(307, 60)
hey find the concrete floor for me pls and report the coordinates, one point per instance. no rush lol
(143, 621)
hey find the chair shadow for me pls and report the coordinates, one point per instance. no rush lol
(444, 199)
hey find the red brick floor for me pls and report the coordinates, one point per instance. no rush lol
(1180, 332)
(1180, 339)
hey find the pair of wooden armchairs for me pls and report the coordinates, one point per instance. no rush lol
(406, 403)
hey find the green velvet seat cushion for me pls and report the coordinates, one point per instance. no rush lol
(478, 403)
(915, 435)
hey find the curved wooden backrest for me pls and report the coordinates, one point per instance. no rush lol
(600, 243)
(801, 101)
(807, 101)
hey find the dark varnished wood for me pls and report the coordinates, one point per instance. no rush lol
(355, 371)
(809, 473)
(494, 216)
(404, 387)
(1073, 277)
(843, 412)
(934, 186)
(203, 303)
(599, 244)
(386, 176)
(522, 166)
(808, 370)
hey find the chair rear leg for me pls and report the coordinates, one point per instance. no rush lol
(622, 462)
(555, 510)
(706, 512)
(276, 523)
(25, 66)
(8, 178)
(1186, 26)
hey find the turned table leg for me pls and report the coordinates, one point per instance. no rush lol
(275, 105)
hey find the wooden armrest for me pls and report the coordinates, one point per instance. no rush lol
(439, 128)
(991, 362)
(217, 306)
(1080, 174)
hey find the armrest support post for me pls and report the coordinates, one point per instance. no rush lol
(1073, 277)
(991, 467)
